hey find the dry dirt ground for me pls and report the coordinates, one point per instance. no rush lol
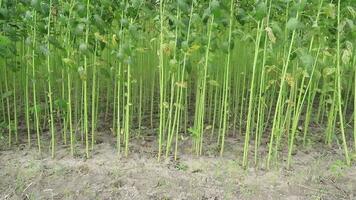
(317, 173)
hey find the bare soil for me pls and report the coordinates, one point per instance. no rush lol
(318, 172)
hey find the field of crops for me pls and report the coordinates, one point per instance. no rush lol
(268, 79)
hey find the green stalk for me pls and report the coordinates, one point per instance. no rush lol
(227, 79)
(152, 100)
(299, 108)
(180, 93)
(85, 101)
(354, 105)
(128, 104)
(93, 97)
(170, 113)
(3, 109)
(279, 98)
(312, 93)
(49, 81)
(198, 130)
(140, 105)
(27, 110)
(260, 105)
(114, 98)
(252, 94)
(243, 102)
(261, 96)
(176, 105)
(118, 111)
(331, 119)
(69, 88)
(8, 106)
(161, 82)
(216, 94)
(63, 112)
(338, 77)
(34, 94)
(69, 107)
(108, 92)
(118, 93)
(308, 114)
(127, 109)
(15, 109)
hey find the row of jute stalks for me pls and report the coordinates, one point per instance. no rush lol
(188, 69)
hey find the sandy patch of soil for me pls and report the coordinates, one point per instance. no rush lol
(318, 173)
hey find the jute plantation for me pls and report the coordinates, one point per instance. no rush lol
(187, 74)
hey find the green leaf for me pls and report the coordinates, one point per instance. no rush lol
(82, 73)
(193, 132)
(261, 10)
(292, 24)
(215, 7)
(215, 4)
(183, 5)
(346, 56)
(4, 41)
(55, 42)
(306, 59)
(352, 11)
(60, 104)
(276, 28)
(330, 11)
(301, 4)
(137, 3)
(83, 47)
(328, 71)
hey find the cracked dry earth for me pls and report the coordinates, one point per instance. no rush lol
(24, 174)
